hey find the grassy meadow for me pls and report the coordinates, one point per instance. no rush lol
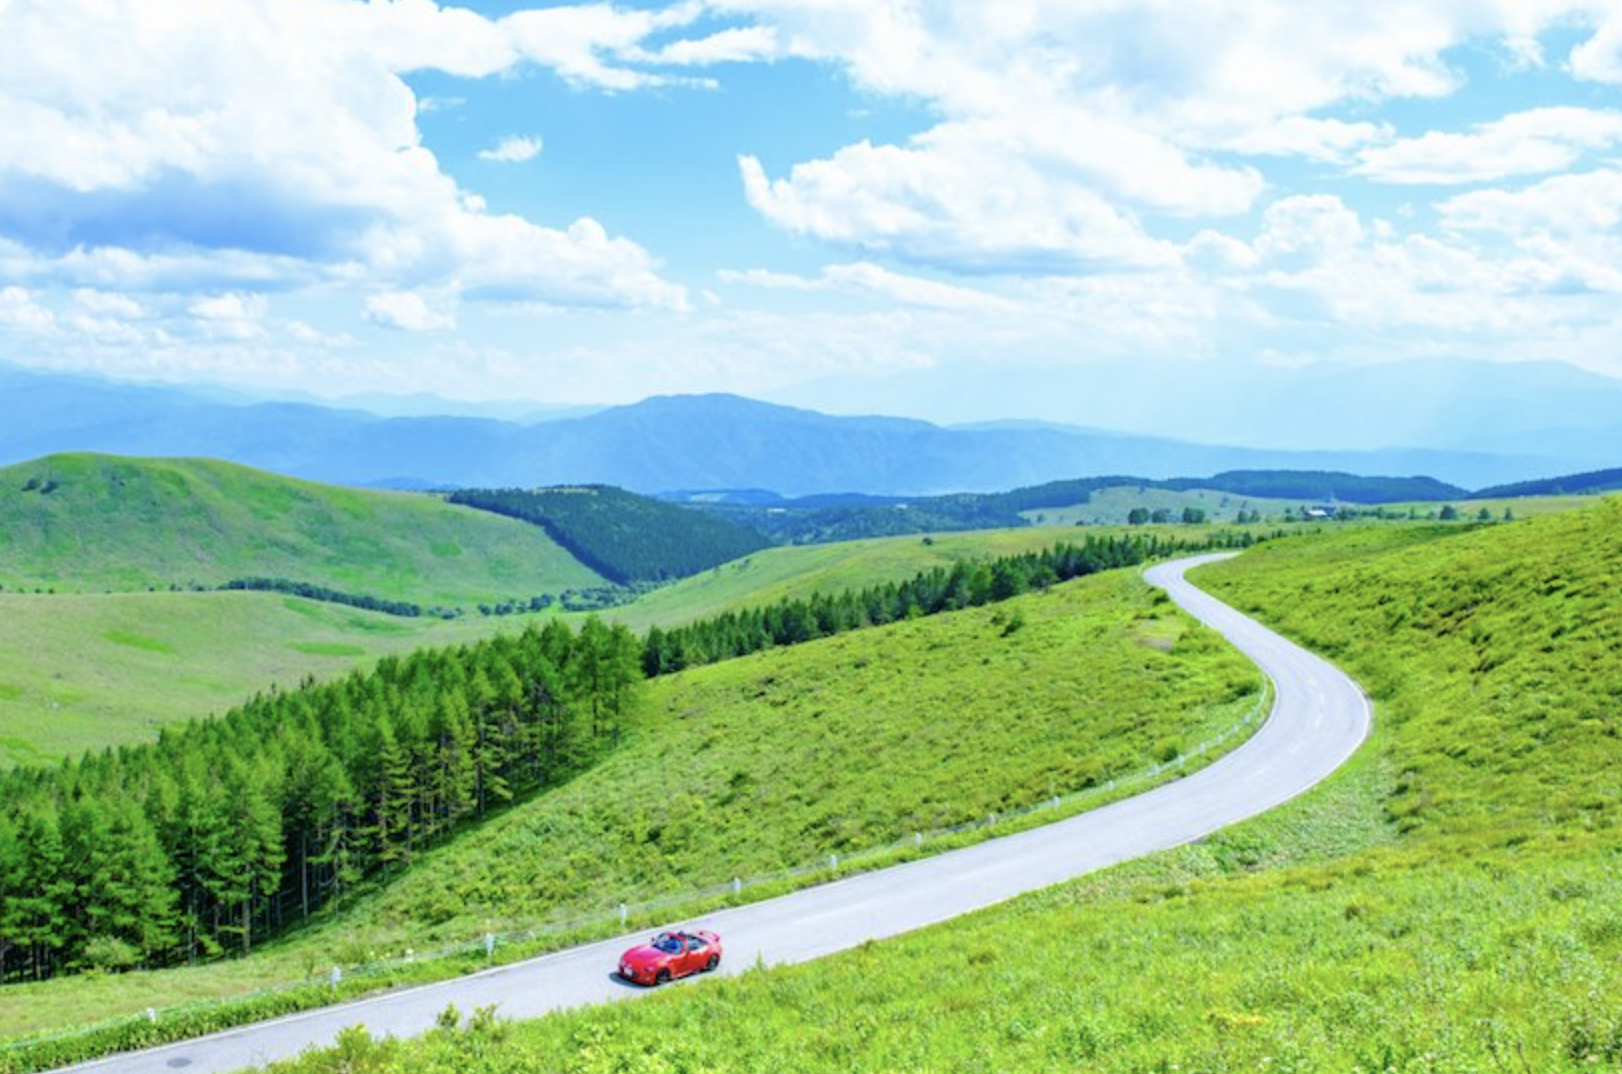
(917, 725)
(100, 523)
(1451, 901)
(82, 672)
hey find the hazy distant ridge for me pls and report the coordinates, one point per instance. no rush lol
(685, 442)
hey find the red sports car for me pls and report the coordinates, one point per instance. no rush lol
(671, 954)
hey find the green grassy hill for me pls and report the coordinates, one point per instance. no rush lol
(1449, 902)
(98, 523)
(911, 726)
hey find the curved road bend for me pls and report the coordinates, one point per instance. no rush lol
(1319, 719)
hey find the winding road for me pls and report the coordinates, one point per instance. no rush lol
(1319, 718)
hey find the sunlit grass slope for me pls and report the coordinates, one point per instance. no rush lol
(95, 523)
(741, 768)
(85, 672)
(1451, 902)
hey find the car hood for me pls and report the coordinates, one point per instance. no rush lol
(643, 955)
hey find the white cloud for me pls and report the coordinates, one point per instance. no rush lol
(954, 201)
(232, 316)
(866, 278)
(582, 42)
(1329, 140)
(1526, 143)
(513, 149)
(284, 149)
(1065, 127)
(1599, 59)
(739, 44)
(109, 303)
(407, 311)
(19, 310)
(1573, 206)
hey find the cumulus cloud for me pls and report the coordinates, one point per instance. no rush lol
(1527, 143)
(1587, 204)
(1099, 118)
(952, 201)
(289, 150)
(19, 310)
(231, 316)
(1599, 59)
(407, 311)
(513, 149)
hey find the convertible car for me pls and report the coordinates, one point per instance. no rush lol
(670, 955)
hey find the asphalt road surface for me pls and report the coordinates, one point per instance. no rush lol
(1319, 719)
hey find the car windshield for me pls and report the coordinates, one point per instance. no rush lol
(667, 943)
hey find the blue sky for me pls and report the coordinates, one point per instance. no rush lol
(806, 200)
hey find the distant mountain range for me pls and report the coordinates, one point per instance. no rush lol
(1540, 409)
(663, 443)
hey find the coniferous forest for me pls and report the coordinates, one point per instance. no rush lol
(230, 830)
(624, 537)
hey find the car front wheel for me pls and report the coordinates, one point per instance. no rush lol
(662, 977)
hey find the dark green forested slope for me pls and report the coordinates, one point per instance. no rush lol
(1567, 485)
(94, 523)
(624, 537)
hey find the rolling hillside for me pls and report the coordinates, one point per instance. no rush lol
(95, 523)
(112, 669)
(1448, 903)
(832, 746)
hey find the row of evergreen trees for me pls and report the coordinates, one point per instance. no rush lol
(226, 831)
(311, 591)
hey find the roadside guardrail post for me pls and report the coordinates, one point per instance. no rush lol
(490, 948)
(625, 912)
(737, 885)
(337, 976)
